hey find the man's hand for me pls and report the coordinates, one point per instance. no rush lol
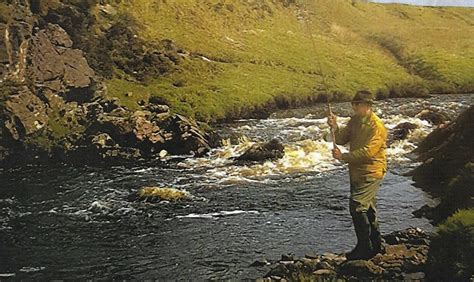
(336, 153)
(332, 121)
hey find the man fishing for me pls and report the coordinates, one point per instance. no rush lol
(367, 137)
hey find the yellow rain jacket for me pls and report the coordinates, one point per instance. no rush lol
(367, 137)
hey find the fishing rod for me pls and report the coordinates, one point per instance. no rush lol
(328, 102)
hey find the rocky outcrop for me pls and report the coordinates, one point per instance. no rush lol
(447, 169)
(53, 104)
(55, 67)
(404, 257)
(263, 151)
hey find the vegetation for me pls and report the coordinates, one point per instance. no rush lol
(451, 255)
(241, 56)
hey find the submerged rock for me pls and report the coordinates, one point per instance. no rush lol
(399, 260)
(263, 151)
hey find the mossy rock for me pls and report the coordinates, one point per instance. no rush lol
(156, 194)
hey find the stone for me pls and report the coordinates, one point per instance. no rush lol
(26, 114)
(360, 268)
(324, 265)
(311, 255)
(288, 257)
(324, 272)
(433, 116)
(103, 140)
(420, 276)
(263, 151)
(259, 263)
(54, 65)
(401, 131)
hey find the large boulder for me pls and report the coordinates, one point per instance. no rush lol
(54, 66)
(263, 151)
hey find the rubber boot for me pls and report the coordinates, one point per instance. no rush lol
(363, 249)
(375, 236)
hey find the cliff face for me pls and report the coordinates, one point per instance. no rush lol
(82, 79)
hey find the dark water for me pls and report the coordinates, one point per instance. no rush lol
(65, 222)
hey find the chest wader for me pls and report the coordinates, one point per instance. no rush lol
(362, 208)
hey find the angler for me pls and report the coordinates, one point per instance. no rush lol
(366, 135)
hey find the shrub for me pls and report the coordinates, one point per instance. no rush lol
(451, 255)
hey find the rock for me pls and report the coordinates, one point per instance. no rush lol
(280, 270)
(156, 194)
(26, 114)
(263, 151)
(16, 29)
(360, 268)
(448, 147)
(55, 67)
(288, 257)
(401, 131)
(324, 272)
(259, 263)
(417, 276)
(324, 265)
(398, 260)
(433, 116)
(185, 136)
(102, 141)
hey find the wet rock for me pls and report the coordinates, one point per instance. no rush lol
(433, 116)
(401, 131)
(398, 261)
(288, 257)
(185, 136)
(259, 263)
(157, 194)
(263, 151)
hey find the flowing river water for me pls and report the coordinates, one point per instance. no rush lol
(76, 222)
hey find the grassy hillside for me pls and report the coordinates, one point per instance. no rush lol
(242, 55)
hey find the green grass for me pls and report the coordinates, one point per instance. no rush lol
(451, 255)
(263, 49)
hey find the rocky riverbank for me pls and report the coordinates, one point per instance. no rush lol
(404, 257)
(447, 169)
(54, 106)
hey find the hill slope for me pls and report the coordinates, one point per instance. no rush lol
(243, 54)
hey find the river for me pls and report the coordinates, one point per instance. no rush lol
(60, 222)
